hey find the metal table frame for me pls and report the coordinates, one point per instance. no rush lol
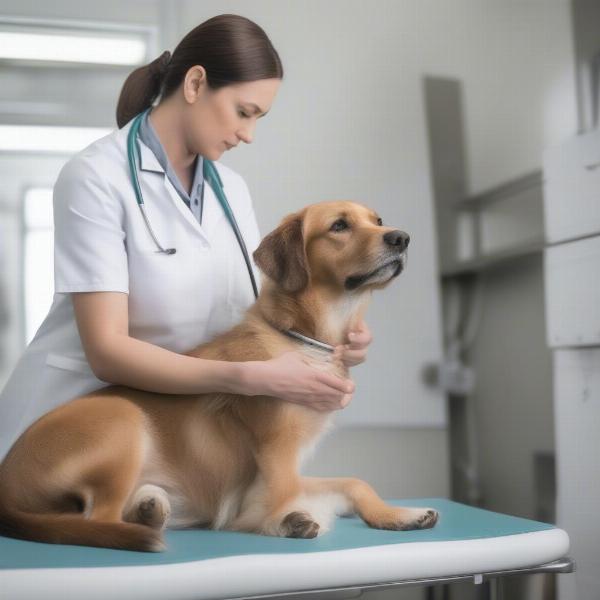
(491, 582)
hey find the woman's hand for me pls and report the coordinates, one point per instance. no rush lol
(355, 352)
(291, 378)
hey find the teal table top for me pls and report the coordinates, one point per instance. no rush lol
(456, 522)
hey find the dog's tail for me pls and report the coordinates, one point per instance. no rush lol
(77, 530)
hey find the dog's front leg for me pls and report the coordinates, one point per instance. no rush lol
(273, 503)
(361, 498)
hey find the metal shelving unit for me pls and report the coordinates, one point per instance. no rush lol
(502, 224)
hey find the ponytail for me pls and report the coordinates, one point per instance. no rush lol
(231, 48)
(141, 88)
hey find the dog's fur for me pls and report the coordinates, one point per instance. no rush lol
(115, 467)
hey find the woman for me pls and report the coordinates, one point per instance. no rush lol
(123, 312)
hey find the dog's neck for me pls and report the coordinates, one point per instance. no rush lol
(318, 314)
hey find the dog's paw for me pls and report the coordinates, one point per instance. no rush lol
(152, 511)
(405, 519)
(426, 520)
(150, 506)
(299, 525)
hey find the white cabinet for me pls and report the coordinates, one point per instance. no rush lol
(577, 418)
(572, 188)
(572, 285)
(572, 282)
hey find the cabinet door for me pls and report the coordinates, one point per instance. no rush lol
(577, 414)
(572, 188)
(572, 281)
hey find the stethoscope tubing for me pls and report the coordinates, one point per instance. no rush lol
(210, 174)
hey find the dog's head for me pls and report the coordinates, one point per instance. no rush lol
(340, 245)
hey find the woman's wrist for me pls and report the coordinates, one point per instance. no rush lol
(244, 378)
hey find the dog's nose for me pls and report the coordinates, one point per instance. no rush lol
(397, 238)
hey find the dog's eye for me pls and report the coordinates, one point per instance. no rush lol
(339, 225)
(379, 221)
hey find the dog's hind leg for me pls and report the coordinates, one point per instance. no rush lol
(361, 498)
(112, 479)
(69, 485)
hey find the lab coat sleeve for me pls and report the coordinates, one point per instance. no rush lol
(89, 233)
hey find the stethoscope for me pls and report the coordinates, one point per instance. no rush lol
(210, 174)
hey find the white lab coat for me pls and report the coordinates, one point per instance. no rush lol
(102, 244)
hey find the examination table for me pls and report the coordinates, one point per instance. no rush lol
(466, 544)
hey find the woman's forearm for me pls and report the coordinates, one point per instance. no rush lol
(128, 361)
(138, 364)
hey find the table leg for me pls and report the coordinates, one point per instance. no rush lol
(438, 592)
(492, 589)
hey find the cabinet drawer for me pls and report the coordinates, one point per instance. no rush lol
(572, 188)
(572, 282)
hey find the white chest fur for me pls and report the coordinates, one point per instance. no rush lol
(341, 315)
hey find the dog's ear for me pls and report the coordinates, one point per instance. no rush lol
(282, 256)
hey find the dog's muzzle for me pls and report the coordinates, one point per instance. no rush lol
(390, 268)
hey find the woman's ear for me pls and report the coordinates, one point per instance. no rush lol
(194, 80)
(281, 255)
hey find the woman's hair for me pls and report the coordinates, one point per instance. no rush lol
(231, 48)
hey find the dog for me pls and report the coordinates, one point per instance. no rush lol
(115, 467)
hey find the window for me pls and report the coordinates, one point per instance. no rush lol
(29, 40)
(42, 138)
(54, 73)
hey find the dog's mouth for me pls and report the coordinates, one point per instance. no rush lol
(391, 268)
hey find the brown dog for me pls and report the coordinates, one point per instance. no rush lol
(115, 467)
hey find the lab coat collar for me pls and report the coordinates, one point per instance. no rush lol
(148, 161)
(212, 213)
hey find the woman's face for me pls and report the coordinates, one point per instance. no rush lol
(216, 121)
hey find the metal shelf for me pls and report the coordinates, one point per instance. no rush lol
(487, 261)
(502, 191)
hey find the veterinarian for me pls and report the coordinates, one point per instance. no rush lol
(124, 312)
